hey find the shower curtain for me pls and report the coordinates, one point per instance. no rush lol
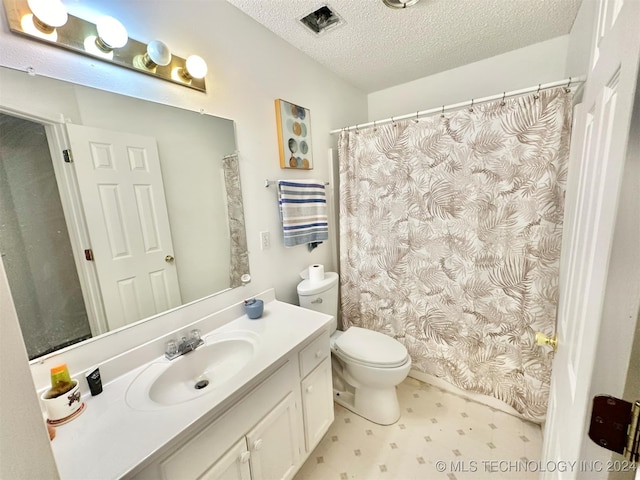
(239, 256)
(451, 229)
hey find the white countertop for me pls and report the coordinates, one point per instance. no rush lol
(109, 439)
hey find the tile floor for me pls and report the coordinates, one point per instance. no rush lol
(439, 436)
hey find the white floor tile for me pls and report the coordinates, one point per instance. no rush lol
(439, 436)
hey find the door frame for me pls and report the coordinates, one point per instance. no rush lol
(606, 332)
(74, 215)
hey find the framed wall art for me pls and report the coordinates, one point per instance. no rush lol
(294, 135)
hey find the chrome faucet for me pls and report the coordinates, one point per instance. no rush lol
(175, 349)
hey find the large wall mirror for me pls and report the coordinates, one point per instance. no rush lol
(144, 215)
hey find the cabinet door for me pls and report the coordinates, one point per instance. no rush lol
(233, 465)
(274, 443)
(317, 403)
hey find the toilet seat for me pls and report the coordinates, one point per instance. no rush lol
(371, 348)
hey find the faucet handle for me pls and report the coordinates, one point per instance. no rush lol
(171, 348)
(194, 334)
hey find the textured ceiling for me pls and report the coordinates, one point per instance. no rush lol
(379, 47)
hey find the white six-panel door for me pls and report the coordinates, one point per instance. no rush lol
(598, 152)
(122, 193)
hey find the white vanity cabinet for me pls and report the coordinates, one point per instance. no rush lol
(267, 434)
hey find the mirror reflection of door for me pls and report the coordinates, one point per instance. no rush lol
(120, 183)
(34, 242)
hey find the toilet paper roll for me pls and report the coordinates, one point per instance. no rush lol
(316, 273)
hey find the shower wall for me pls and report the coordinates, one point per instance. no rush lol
(34, 243)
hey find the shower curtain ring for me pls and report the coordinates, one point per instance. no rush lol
(537, 95)
(471, 107)
(375, 129)
(442, 113)
(417, 116)
(357, 130)
(502, 103)
(394, 122)
(567, 89)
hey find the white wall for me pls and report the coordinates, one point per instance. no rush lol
(249, 68)
(539, 63)
(25, 452)
(581, 39)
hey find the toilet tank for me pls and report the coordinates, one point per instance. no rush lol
(321, 296)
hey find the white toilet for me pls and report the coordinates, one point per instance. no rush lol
(367, 365)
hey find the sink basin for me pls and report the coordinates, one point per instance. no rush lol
(194, 374)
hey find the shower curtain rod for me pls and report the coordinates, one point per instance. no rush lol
(543, 86)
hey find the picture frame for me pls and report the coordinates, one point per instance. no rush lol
(294, 135)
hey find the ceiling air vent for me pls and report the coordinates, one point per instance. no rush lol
(322, 20)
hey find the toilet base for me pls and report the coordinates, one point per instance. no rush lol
(376, 405)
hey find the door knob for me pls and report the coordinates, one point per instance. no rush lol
(169, 259)
(542, 339)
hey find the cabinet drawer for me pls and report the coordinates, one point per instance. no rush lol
(314, 353)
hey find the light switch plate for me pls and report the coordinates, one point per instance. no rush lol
(265, 240)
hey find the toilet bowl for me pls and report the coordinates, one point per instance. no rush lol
(367, 365)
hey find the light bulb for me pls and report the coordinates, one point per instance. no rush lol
(158, 53)
(32, 26)
(111, 34)
(48, 14)
(91, 46)
(195, 67)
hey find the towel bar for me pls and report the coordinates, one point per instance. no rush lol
(268, 183)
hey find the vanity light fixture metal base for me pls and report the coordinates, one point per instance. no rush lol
(72, 36)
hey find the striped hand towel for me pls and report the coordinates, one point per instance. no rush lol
(303, 209)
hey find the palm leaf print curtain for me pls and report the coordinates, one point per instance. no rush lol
(239, 256)
(450, 240)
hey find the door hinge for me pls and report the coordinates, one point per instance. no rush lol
(88, 254)
(614, 425)
(68, 157)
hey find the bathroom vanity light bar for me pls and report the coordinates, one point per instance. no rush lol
(107, 40)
